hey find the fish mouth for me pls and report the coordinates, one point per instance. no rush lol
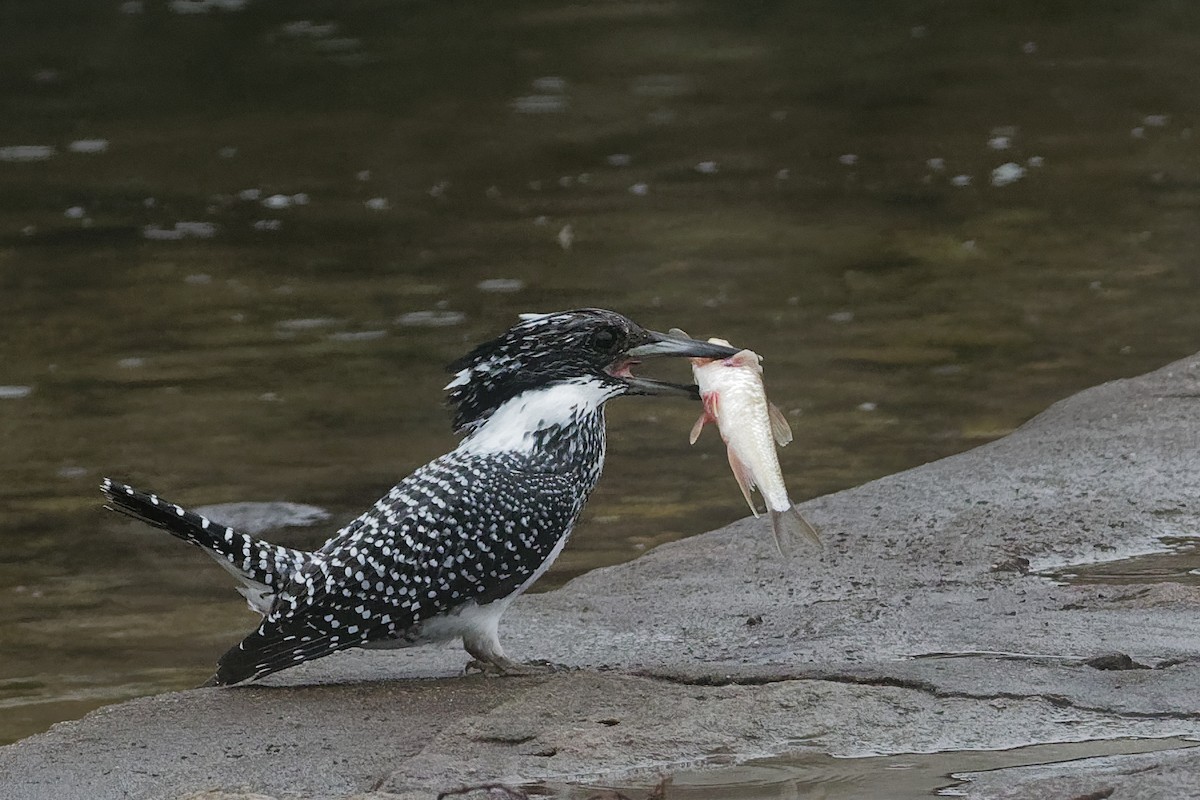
(659, 345)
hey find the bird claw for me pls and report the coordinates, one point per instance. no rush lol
(507, 667)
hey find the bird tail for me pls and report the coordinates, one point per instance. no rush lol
(790, 527)
(260, 565)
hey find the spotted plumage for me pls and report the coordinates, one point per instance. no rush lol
(443, 553)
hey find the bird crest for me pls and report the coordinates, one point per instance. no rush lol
(539, 351)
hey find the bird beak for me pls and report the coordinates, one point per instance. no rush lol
(671, 344)
(667, 344)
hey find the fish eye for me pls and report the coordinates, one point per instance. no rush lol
(604, 340)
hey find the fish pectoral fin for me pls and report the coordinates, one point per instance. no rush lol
(712, 405)
(745, 478)
(789, 528)
(779, 425)
(709, 414)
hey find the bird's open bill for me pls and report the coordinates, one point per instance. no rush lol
(668, 344)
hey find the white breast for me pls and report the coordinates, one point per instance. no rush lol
(511, 427)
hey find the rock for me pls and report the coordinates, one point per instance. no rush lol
(903, 636)
(1014, 564)
(1114, 661)
(1163, 775)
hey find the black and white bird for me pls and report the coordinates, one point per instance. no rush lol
(443, 553)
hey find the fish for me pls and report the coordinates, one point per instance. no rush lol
(735, 399)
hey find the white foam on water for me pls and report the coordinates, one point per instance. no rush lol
(89, 146)
(431, 319)
(27, 152)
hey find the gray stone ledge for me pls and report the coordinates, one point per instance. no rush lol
(907, 634)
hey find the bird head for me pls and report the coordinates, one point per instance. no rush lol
(586, 345)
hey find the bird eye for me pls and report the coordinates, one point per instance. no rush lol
(604, 340)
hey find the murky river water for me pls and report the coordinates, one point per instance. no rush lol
(239, 241)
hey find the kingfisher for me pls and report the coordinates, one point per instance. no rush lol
(443, 554)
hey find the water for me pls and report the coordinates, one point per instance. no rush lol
(1178, 562)
(239, 241)
(910, 776)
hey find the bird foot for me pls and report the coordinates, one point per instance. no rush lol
(497, 667)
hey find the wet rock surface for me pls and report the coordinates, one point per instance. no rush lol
(901, 636)
(1165, 774)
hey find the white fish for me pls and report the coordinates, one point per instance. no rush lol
(734, 398)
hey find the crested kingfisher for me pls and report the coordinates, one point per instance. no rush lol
(443, 554)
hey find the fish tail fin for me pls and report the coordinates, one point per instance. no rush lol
(790, 527)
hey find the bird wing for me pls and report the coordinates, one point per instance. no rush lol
(277, 644)
(464, 528)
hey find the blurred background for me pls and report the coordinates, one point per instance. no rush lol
(240, 239)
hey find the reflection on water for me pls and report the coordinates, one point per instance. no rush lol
(239, 241)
